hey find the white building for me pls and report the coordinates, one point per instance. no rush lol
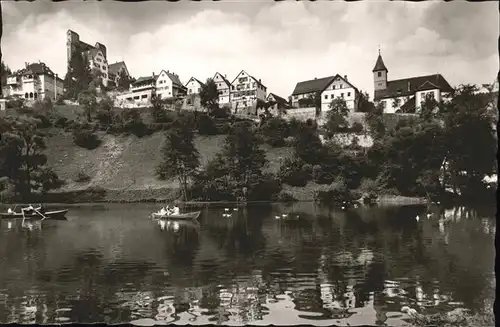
(246, 92)
(165, 85)
(327, 88)
(406, 95)
(223, 87)
(194, 86)
(35, 81)
(339, 87)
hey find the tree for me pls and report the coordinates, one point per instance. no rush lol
(157, 109)
(470, 141)
(237, 171)
(396, 103)
(4, 72)
(79, 75)
(364, 103)
(23, 168)
(124, 81)
(88, 99)
(375, 122)
(428, 107)
(180, 156)
(336, 118)
(209, 96)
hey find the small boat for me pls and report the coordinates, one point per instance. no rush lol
(53, 215)
(183, 216)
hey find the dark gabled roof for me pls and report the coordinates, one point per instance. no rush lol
(223, 78)
(175, 79)
(279, 99)
(379, 65)
(314, 85)
(145, 78)
(85, 47)
(408, 106)
(39, 68)
(201, 83)
(256, 80)
(408, 86)
(116, 67)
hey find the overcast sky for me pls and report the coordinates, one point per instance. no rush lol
(281, 43)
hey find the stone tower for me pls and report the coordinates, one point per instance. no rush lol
(380, 74)
(72, 41)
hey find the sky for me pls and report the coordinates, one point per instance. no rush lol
(281, 43)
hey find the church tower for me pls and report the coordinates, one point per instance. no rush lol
(380, 74)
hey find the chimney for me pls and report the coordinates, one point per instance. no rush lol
(345, 77)
(315, 78)
(259, 80)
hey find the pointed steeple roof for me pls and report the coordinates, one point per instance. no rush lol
(379, 65)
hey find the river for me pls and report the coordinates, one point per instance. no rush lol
(112, 264)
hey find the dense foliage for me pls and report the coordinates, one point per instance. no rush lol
(236, 173)
(23, 169)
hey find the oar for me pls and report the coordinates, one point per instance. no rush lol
(24, 217)
(38, 212)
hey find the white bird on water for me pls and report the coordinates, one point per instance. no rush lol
(226, 209)
(417, 218)
(429, 215)
(277, 217)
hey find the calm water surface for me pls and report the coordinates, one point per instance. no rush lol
(113, 264)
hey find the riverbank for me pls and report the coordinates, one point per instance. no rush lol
(162, 195)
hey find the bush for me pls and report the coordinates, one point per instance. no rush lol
(338, 195)
(274, 132)
(45, 122)
(60, 121)
(221, 112)
(206, 125)
(284, 197)
(15, 104)
(81, 177)
(294, 172)
(86, 138)
(356, 128)
(224, 128)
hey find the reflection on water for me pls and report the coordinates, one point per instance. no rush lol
(311, 266)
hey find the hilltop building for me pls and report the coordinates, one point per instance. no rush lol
(194, 86)
(165, 85)
(328, 88)
(115, 71)
(406, 95)
(35, 81)
(223, 86)
(246, 92)
(277, 105)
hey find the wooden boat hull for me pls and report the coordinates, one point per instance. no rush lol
(183, 216)
(52, 215)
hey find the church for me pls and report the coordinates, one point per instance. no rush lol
(406, 95)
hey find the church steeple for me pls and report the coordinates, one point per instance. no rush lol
(380, 74)
(379, 65)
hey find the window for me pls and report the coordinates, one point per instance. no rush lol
(36, 95)
(341, 86)
(348, 94)
(144, 96)
(31, 95)
(342, 94)
(26, 95)
(334, 87)
(129, 98)
(326, 96)
(104, 67)
(332, 96)
(379, 74)
(199, 89)
(253, 85)
(136, 97)
(232, 87)
(295, 97)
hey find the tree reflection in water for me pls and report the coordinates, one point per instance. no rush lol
(327, 265)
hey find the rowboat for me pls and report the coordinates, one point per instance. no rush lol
(183, 216)
(33, 215)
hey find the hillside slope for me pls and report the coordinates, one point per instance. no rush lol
(127, 162)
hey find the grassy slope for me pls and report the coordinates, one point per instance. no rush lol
(127, 162)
